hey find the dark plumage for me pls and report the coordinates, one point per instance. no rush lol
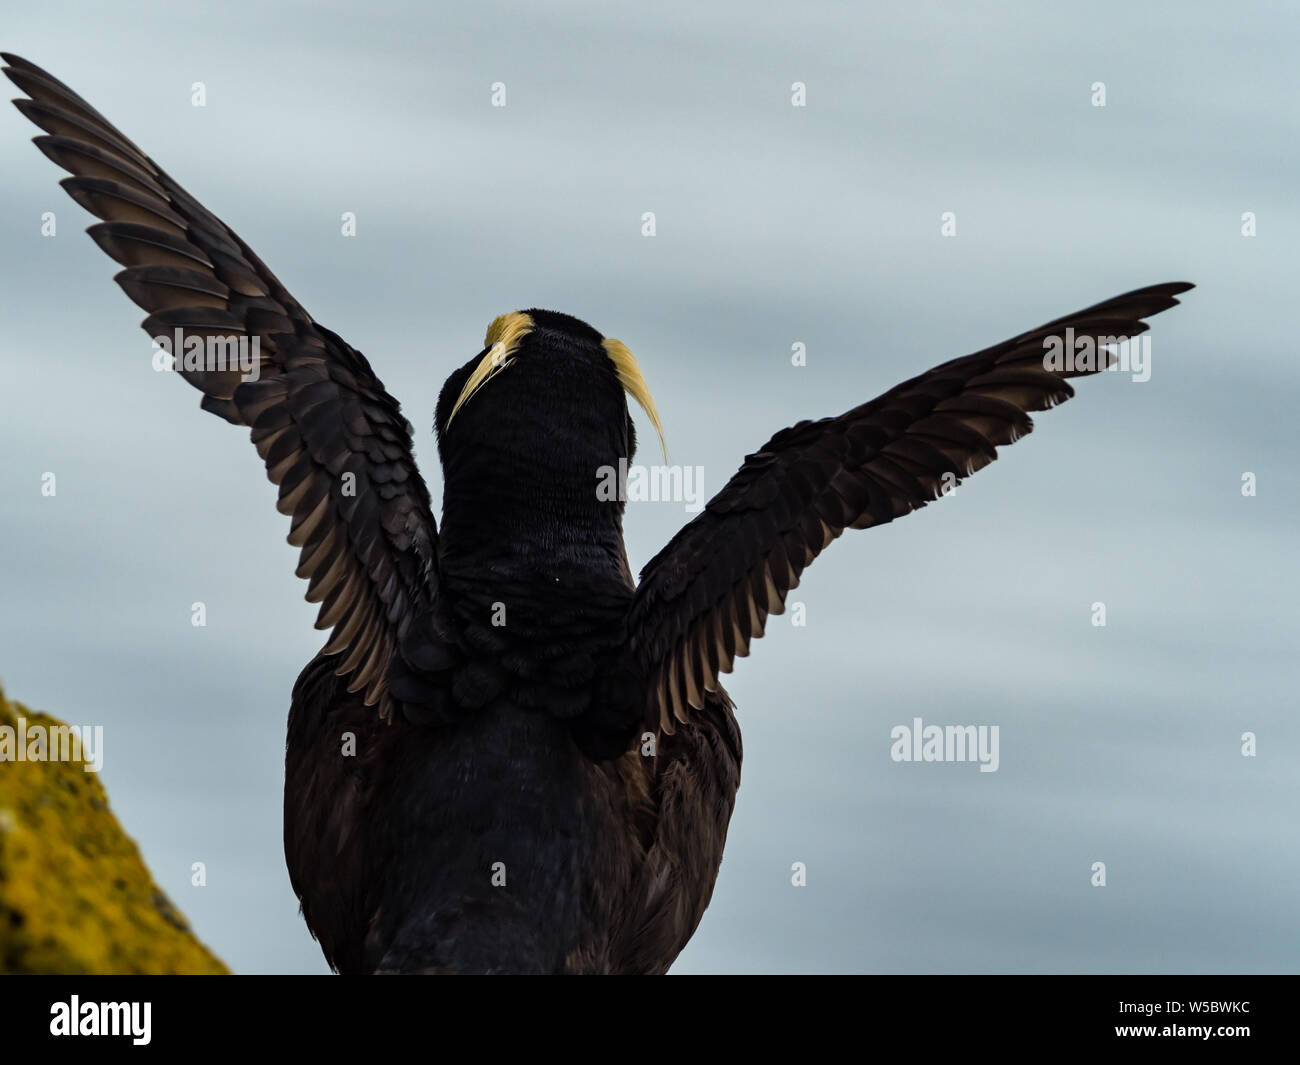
(509, 756)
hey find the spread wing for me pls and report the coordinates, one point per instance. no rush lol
(332, 438)
(707, 595)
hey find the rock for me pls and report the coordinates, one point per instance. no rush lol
(75, 896)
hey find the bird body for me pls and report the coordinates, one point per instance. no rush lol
(498, 846)
(511, 756)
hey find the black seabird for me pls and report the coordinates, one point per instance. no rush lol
(510, 756)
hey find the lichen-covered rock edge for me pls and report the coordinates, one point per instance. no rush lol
(75, 895)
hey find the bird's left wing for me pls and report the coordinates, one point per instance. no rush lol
(333, 439)
(707, 595)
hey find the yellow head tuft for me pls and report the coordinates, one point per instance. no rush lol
(634, 383)
(502, 341)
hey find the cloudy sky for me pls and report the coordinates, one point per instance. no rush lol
(775, 225)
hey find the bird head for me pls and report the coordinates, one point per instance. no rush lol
(527, 425)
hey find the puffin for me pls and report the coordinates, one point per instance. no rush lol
(512, 754)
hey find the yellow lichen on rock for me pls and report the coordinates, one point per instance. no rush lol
(75, 896)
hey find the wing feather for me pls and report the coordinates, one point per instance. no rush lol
(314, 407)
(707, 595)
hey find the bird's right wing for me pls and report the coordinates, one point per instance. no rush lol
(332, 438)
(707, 595)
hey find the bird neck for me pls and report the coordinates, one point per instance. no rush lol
(552, 525)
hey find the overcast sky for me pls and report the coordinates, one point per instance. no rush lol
(776, 225)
